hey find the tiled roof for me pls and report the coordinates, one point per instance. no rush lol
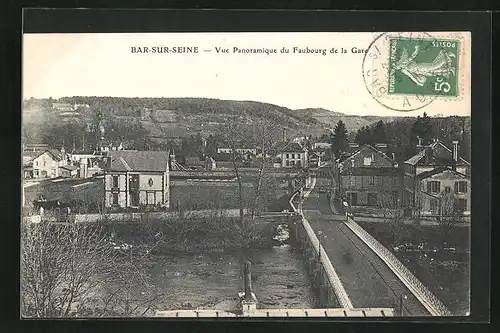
(293, 147)
(124, 160)
(56, 154)
(69, 167)
(417, 157)
(345, 156)
(438, 170)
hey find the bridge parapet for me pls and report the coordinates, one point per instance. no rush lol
(325, 271)
(426, 297)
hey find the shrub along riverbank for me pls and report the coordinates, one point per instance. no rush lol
(190, 235)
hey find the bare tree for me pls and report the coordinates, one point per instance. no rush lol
(61, 267)
(269, 137)
(391, 207)
(70, 269)
(234, 135)
(450, 215)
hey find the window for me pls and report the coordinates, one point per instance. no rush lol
(447, 189)
(370, 180)
(372, 199)
(115, 181)
(461, 205)
(367, 161)
(352, 181)
(287, 163)
(115, 199)
(352, 199)
(433, 186)
(434, 206)
(287, 155)
(36, 163)
(461, 187)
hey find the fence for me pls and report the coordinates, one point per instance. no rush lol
(427, 298)
(331, 274)
(130, 217)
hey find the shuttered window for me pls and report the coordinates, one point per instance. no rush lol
(115, 181)
(461, 187)
(433, 187)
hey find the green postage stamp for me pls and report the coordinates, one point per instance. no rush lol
(423, 66)
(408, 71)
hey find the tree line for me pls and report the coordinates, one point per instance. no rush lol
(402, 135)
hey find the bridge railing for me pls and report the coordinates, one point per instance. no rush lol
(332, 276)
(426, 297)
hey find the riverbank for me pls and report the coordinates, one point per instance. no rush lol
(191, 235)
(444, 270)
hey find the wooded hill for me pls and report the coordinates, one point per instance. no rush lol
(152, 121)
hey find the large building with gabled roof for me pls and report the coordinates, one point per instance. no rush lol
(47, 163)
(368, 177)
(137, 178)
(433, 156)
(294, 154)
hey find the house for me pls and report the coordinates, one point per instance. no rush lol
(428, 158)
(47, 163)
(314, 159)
(89, 163)
(136, 178)
(368, 177)
(27, 160)
(68, 171)
(294, 154)
(442, 191)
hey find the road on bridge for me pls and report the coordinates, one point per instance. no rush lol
(368, 281)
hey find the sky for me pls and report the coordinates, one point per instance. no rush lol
(60, 65)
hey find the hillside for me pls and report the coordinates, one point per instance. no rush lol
(174, 117)
(139, 120)
(330, 118)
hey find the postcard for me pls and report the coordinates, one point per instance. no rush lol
(246, 174)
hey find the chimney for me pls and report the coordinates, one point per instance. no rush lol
(382, 147)
(284, 134)
(455, 151)
(419, 144)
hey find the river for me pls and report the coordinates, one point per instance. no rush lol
(213, 280)
(279, 280)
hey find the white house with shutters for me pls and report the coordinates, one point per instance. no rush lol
(137, 178)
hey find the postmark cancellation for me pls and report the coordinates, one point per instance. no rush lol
(409, 71)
